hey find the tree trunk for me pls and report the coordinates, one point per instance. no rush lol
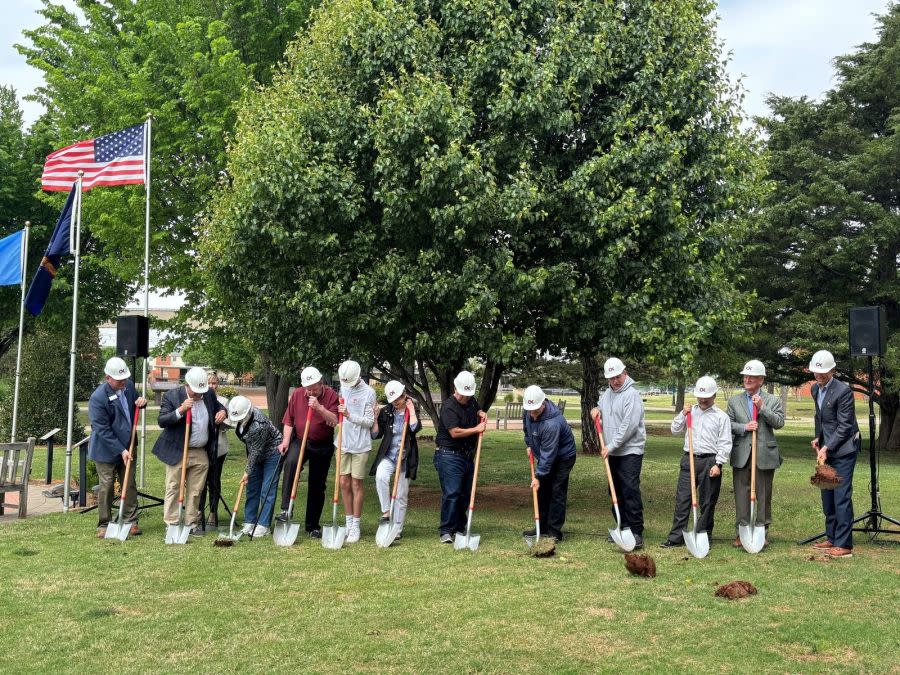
(889, 432)
(490, 381)
(591, 381)
(679, 393)
(277, 389)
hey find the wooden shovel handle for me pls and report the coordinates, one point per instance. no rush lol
(184, 455)
(124, 491)
(690, 435)
(475, 475)
(302, 452)
(753, 460)
(609, 479)
(237, 502)
(534, 498)
(337, 464)
(400, 453)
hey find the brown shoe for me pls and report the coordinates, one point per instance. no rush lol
(135, 530)
(838, 552)
(823, 545)
(101, 533)
(737, 543)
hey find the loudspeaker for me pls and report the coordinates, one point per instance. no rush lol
(868, 331)
(132, 336)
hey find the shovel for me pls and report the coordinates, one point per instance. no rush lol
(232, 535)
(697, 542)
(624, 539)
(388, 531)
(178, 534)
(119, 530)
(333, 536)
(285, 533)
(529, 540)
(469, 540)
(753, 537)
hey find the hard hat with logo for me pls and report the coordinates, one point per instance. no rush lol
(706, 387)
(309, 376)
(613, 367)
(117, 369)
(755, 368)
(534, 397)
(196, 379)
(393, 390)
(822, 362)
(348, 373)
(465, 383)
(238, 409)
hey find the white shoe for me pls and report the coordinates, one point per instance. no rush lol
(261, 531)
(246, 528)
(353, 534)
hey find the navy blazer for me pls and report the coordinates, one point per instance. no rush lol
(110, 425)
(169, 447)
(836, 425)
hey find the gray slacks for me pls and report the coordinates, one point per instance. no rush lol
(764, 479)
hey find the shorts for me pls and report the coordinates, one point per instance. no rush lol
(354, 464)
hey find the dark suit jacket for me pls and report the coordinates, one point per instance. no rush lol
(169, 447)
(110, 426)
(836, 425)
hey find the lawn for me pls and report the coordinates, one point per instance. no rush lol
(74, 603)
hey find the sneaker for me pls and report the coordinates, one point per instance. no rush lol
(737, 543)
(353, 535)
(638, 542)
(840, 552)
(446, 538)
(671, 544)
(399, 536)
(246, 529)
(260, 531)
(823, 545)
(315, 534)
(282, 517)
(384, 519)
(609, 539)
(197, 531)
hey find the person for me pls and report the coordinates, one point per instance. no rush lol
(323, 401)
(214, 477)
(206, 413)
(460, 422)
(837, 443)
(712, 449)
(358, 409)
(111, 413)
(262, 439)
(549, 438)
(770, 416)
(621, 412)
(389, 428)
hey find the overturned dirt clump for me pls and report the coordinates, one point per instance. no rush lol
(640, 564)
(735, 590)
(223, 542)
(545, 547)
(825, 477)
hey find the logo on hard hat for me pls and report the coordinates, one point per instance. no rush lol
(531, 401)
(702, 388)
(818, 364)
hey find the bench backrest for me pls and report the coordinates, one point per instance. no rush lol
(15, 463)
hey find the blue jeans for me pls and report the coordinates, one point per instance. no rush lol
(837, 504)
(261, 476)
(455, 472)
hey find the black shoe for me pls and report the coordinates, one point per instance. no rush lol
(384, 519)
(638, 542)
(399, 536)
(530, 533)
(609, 539)
(315, 534)
(282, 517)
(197, 531)
(558, 536)
(671, 544)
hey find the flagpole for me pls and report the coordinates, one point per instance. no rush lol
(146, 285)
(71, 420)
(21, 326)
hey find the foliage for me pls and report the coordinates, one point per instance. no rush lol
(547, 373)
(221, 348)
(830, 238)
(227, 391)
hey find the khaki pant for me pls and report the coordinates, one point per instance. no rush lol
(764, 478)
(194, 482)
(108, 473)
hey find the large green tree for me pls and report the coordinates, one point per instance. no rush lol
(428, 182)
(831, 237)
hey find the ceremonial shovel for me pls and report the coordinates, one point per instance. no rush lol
(231, 535)
(119, 530)
(387, 532)
(753, 536)
(697, 542)
(624, 539)
(333, 536)
(285, 533)
(529, 540)
(468, 540)
(178, 534)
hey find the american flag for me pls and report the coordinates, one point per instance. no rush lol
(113, 159)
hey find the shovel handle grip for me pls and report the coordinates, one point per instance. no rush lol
(400, 456)
(184, 454)
(124, 491)
(302, 452)
(337, 456)
(534, 497)
(690, 437)
(609, 478)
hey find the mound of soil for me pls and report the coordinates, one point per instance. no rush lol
(545, 547)
(736, 590)
(640, 564)
(825, 477)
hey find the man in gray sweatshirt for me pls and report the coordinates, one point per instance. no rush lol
(621, 412)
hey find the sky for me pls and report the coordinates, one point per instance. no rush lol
(777, 46)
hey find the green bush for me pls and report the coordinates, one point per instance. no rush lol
(379, 392)
(508, 398)
(227, 391)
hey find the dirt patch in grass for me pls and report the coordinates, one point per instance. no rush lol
(808, 653)
(496, 497)
(603, 612)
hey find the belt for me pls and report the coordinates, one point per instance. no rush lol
(197, 447)
(455, 451)
(704, 454)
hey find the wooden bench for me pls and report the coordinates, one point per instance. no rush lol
(15, 468)
(511, 411)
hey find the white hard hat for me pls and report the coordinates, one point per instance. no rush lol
(706, 387)
(613, 367)
(393, 390)
(196, 379)
(465, 383)
(534, 397)
(117, 369)
(754, 367)
(238, 409)
(309, 376)
(822, 362)
(348, 373)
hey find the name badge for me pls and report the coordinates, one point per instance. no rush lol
(113, 397)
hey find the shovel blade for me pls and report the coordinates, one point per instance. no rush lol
(624, 539)
(177, 534)
(530, 541)
(231, 535)
(116, 531)
(333, 537)
(386, 534)
(285, 534)
(466, 541)
(753, 537)
(697, 543)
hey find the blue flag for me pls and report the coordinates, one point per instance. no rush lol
(11, 259)
(59, 246)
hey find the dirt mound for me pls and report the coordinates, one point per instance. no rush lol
(640, 564)
(499, 497)
(825, 477)
(735, 590)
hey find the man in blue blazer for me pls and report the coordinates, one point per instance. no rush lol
(203, 443)
(837, 444)
(111, 413)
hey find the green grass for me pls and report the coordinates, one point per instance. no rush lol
(71, 602)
